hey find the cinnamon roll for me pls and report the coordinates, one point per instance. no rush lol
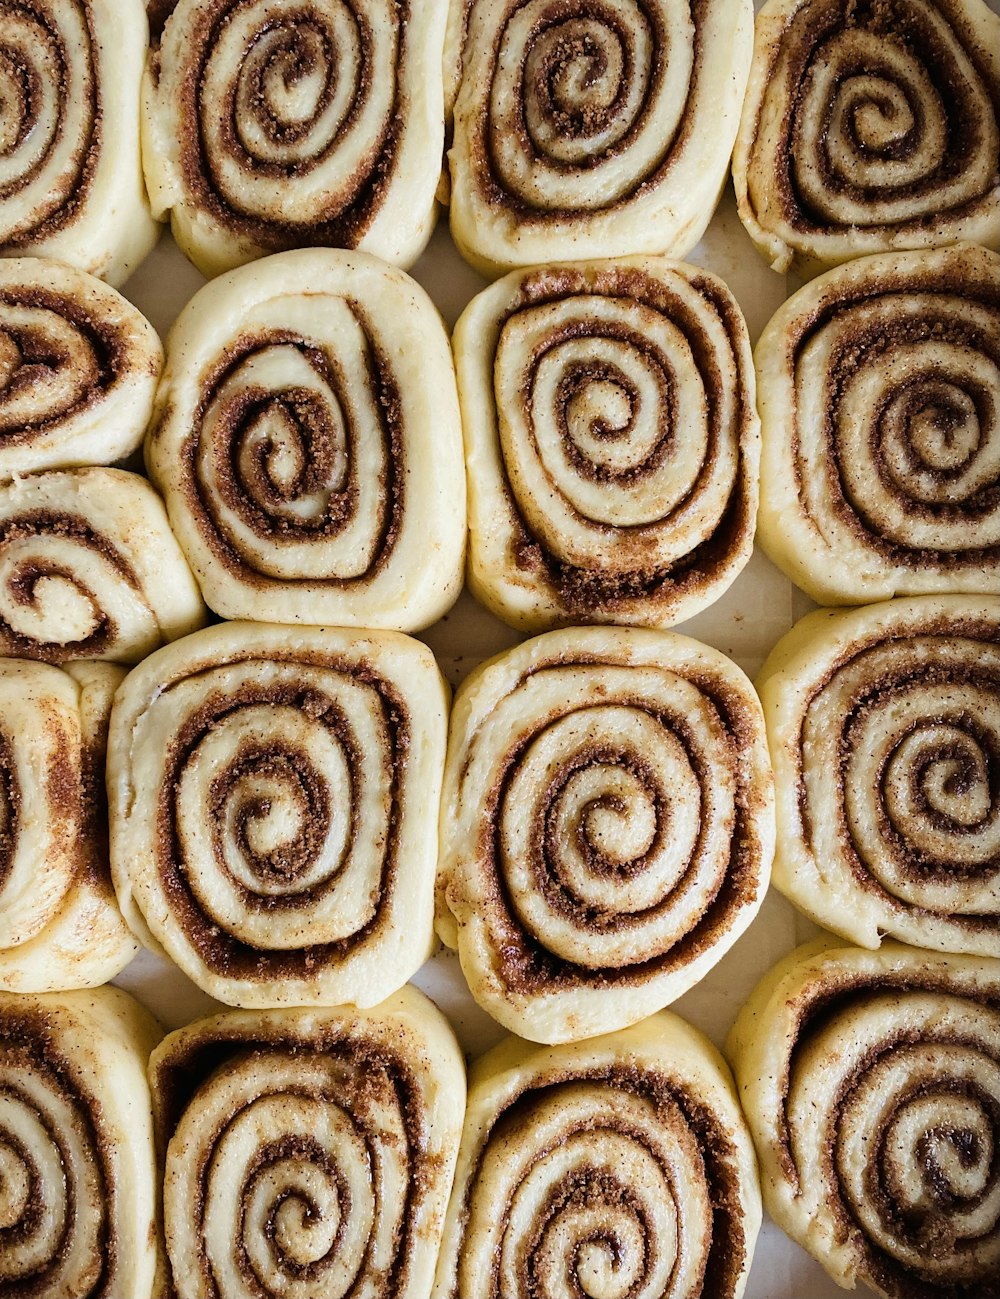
(607, 826)
(308, 1152)
(871, 1081)
(593, 128)
(77, 1192)
(78, 369)
(309, 444)
(612, 442)
(274, 799)
(619, 1166)
(884, 725)
(869, 127)
(60, 926)
(880, 468)
(271, 126)
(71, 182)
(89, 569)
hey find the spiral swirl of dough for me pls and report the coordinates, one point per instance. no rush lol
(309, 445)
(70, 179)
(595, 128)
(869, 127)
(612, 442)
(880, 464)
(273, 810)
(89, 569)
(619, 1166)
(76, 1146)
(78, 369)
(607, 828)
(871, 1081)
(884, 729)
(313, 1154)
(272, 126)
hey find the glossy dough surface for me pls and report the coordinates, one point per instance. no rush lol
(884, 724)
(308, 1152)
(612, 442)
(77, 1166)
(71, 183)
(273, 797)
(607, 826)
(270, 126)
(618, 1166)
(60, 926)
(78, 369)
(594, 128)
(880, 464)
(89, 569)
(309, 446)
(869, 127)
(871, 1081)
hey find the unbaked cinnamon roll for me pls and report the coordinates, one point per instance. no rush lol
(60, 926)
(880, 464)
(592, 128)
(868, 127)
(71, 181)
(884, 725)
(611, 440)
(619, 1166)
(90, 569)
(273, 799)
(270, 126)
(871, 1081)
(308, 1152)
(607, 826)
(309, 444)
(78, 369)
(77, 1167)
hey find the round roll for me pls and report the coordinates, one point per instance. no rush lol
(308, 1152)
(593, 128)
(90, 569)
(871, 1082)
(619, 1166)
(78, 369)
(607, 826)
(878, 388)
(77, 1166)
(60, 926)
(884, 725)
(71, 181)
(309, 444)
(270, 126)
(611, 441)
(274, 799)
(869, 127)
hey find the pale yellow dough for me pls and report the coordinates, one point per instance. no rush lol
(869, 129)
(309, 444)
(592, 130)
(612, 442)
(871, 1084)
(880, 460)
(607, 826)
(77, 1166)
(269, 126)
(72, 186)
(622, 1165)
(884, 724)
(301, 1139)
(89, 569)
(60, 926)
(273, 798)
